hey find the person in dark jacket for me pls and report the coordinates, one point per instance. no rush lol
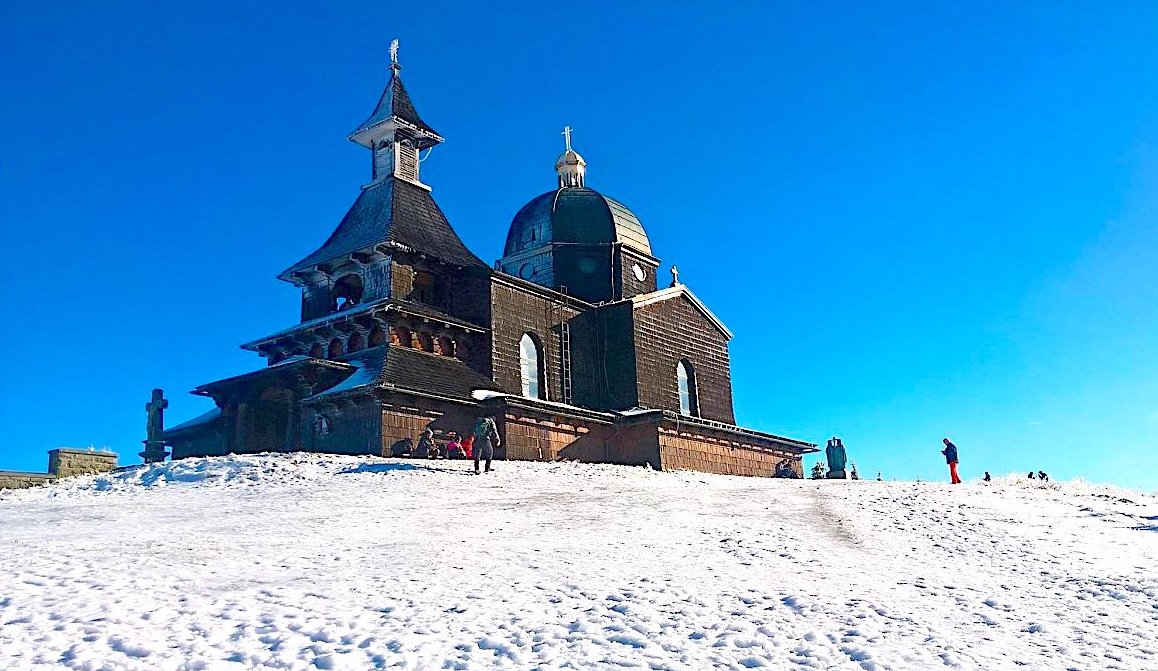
(986, 478)
(950, 453)
(427, 448)
(486, 439)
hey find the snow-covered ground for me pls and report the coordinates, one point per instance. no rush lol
(311, 561)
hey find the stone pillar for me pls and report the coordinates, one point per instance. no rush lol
(155, 429)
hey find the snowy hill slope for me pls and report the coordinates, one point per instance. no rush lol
(312, 561)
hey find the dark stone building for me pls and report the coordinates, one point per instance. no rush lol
(568, 341)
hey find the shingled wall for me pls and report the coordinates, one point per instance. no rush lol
(514, 311)
(674, 329)
(686, 447)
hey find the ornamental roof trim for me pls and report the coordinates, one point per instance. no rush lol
(384, 304)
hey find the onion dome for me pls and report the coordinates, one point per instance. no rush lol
(575, 215)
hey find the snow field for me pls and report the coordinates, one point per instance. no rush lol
(325, 562)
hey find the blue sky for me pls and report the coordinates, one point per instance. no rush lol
(920, 219)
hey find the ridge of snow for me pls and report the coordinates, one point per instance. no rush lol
(340, 562)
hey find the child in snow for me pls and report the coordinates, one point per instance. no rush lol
(950, 453)
(454, 448)
(468, 446)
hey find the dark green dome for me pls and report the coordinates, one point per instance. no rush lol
(575, 214)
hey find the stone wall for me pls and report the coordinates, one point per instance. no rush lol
(688, 447)
(63, 462)
(20, 480)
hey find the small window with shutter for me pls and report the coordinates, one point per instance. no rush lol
(406, 161)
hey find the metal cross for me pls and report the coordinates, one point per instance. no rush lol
(394, 52)
(567, 135)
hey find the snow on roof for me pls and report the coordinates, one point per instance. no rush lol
(199, 420)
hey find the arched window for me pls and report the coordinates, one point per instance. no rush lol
(444, 346)
(355, 342)
(400, 335)
(686, 380)
(423, 288)
(377, 336)
(335, 350)
(531, 366)
(347, 292)
(317, 351)
(425, 342)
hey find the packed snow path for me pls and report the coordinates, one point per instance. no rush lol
(311, 561)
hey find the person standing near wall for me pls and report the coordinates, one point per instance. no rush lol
(486, 439)
(950, 453)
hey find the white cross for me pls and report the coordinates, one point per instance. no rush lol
(394, 52)
(567, 135)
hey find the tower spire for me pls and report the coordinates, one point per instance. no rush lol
(395, 133)
(570, 165)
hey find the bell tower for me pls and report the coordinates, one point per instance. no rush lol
(394, 133)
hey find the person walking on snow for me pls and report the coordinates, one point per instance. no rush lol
(486, 439)
(950, 453)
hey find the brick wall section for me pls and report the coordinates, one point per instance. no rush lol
(515, 311)
(674, 329)
(64, 462)
(687, 448)
(19, 480)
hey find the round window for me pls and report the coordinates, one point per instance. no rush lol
(640, 273)
(527, 271)
(587, 265)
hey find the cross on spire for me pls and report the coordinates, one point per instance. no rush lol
(394, 55)
(567, 136)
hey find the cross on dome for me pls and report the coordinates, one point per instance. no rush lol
(570, 165)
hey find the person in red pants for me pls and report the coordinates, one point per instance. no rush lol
(950, 453)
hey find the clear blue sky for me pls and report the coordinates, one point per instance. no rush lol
(920, 219)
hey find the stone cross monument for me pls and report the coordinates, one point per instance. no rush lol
(155, 429)
(836, 459)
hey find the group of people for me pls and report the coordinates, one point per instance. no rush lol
(950, 453)
(479, 444)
